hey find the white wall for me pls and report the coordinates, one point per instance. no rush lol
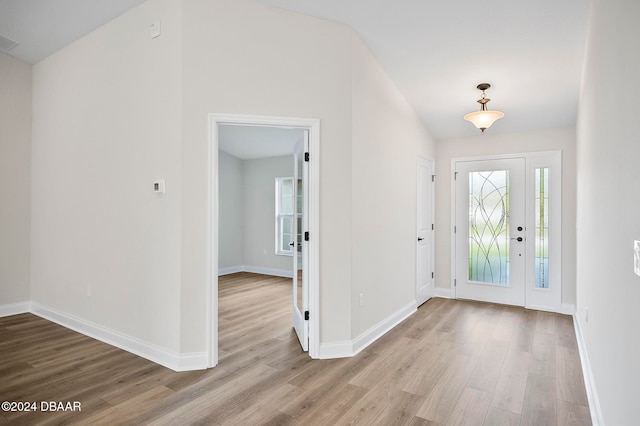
(106, 124)
(259, 212)
(15, 179)
(490, 144)
(231, 211)
(387, 138)
(609, 206)
(244, 58)
(117, 110)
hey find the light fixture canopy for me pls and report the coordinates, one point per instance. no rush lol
(484, 118)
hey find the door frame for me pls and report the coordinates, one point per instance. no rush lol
(539, 299)
(313, 126)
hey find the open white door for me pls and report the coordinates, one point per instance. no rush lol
(300, 244)
(424, 253)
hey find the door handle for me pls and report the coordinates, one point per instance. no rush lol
(420, 239)
(292, 244)
(518, 239)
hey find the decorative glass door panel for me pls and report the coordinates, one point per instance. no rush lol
(489, 226)
(490, 230)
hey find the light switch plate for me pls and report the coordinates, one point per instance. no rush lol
(636, 257)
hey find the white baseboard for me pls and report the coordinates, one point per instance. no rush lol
(349, 348)
(444, 293)
(229, 270)
(256, 270)
(378, 330)
(268, 271)
(191, 361)
(196, 360)
(565, 308)
(15, 309)
(589, 381)
(331, 350)
(174, 361)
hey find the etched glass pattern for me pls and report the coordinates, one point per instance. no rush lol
(542, 228)
(489, 226)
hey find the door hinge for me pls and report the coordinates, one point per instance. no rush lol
(455, 282)
(433, 178)
(455, 175)
(454, 230)
(306, 315)
(306, 157)
(432, 226)
(306, 236)
(433, 275)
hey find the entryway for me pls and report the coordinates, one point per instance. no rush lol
(506, 234)
(296, 201)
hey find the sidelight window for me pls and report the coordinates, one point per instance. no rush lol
(542, 228)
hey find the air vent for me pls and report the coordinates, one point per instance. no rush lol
(6, 44)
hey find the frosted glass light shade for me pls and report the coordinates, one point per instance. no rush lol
(483, 119)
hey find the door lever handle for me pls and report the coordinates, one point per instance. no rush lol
(292, 244)
(420, 239)
(518, 239)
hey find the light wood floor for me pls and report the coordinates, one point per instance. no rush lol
(451, 363)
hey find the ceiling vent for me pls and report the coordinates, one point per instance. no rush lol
(6, 44)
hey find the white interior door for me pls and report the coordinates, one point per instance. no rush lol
(490, 230)
(425, 276)
(300, 244)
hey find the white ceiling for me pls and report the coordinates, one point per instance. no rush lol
(42, 27)
(436, 52)
(251, 142)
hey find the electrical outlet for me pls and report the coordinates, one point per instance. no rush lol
(159, 186)
(155, 29)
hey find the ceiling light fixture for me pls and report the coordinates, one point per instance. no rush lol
(484, 118)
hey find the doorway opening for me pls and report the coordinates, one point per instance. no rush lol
(244, 244)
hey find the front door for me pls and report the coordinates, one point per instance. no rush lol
(299, 227)
(490, 230)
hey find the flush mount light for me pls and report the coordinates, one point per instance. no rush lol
(484, 118)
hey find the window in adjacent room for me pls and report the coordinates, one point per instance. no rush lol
(286, 203)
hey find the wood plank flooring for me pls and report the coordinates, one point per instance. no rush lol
(452, 363)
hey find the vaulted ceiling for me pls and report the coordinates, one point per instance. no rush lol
(436, 52)
(42, 27)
